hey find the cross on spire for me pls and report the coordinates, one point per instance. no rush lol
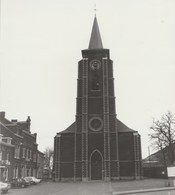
(95, 9)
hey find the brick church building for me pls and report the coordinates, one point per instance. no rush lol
(97, 146)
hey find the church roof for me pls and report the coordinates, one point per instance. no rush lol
(70, 129)
(95, 40)
(123, 128)
(120, 126)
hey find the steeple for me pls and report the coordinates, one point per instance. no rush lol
(95, 40)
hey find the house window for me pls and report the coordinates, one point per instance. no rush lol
(1, 155)
(8, 157)
(17, 152)
(23, 152)
(28, 154)
(34, 157)
(15, 172)
(9, 140)
(7, 172)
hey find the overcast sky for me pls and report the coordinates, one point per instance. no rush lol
(41, 43)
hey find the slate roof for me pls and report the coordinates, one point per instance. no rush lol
(122, 128)
(70, 129)
(8, 132)
(5, 121)
(95, 40)
(23, 125)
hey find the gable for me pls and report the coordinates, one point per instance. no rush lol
(121, 127)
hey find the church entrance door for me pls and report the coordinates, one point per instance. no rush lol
(96, 166)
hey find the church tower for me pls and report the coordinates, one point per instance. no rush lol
(95, 147)
(96, 117)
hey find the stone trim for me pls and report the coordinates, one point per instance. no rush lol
(137, 156)
(99, 128)
(106, 118)
(85, 118)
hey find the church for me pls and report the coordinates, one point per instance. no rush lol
(97, 146)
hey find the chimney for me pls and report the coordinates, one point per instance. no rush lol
(35, 134)
(14, 120)
(2, 115)
(28, 122)
(28, 119)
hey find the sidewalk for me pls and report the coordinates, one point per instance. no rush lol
(139, 186)
(143, 191)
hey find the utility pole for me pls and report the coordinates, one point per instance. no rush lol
(149, 155)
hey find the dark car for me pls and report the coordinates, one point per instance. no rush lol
(19, 183)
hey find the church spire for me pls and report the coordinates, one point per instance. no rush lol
(95, 40)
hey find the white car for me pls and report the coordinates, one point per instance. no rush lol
(4, 187)
(33, 179)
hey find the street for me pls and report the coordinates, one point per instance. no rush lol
(63, 189)
(90, 188)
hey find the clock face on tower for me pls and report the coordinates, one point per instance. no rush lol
(95, 64)
(95, 123)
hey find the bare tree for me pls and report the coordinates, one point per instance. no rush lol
(48, 163)
(163, 135)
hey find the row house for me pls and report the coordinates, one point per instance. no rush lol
(6, 154)
(40, 164)
(18, 150)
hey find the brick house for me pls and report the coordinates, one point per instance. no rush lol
(24, 149)
(6, 155)
(97, 146)
(40, 165)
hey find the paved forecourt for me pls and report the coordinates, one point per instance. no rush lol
(95, 188)
(63, 189)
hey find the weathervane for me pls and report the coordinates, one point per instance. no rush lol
(95, 9)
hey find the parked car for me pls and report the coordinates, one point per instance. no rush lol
(4, 187)
(29, 180)
(32, 180)
(19, 183)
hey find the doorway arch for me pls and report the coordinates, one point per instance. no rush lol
(96, 165)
